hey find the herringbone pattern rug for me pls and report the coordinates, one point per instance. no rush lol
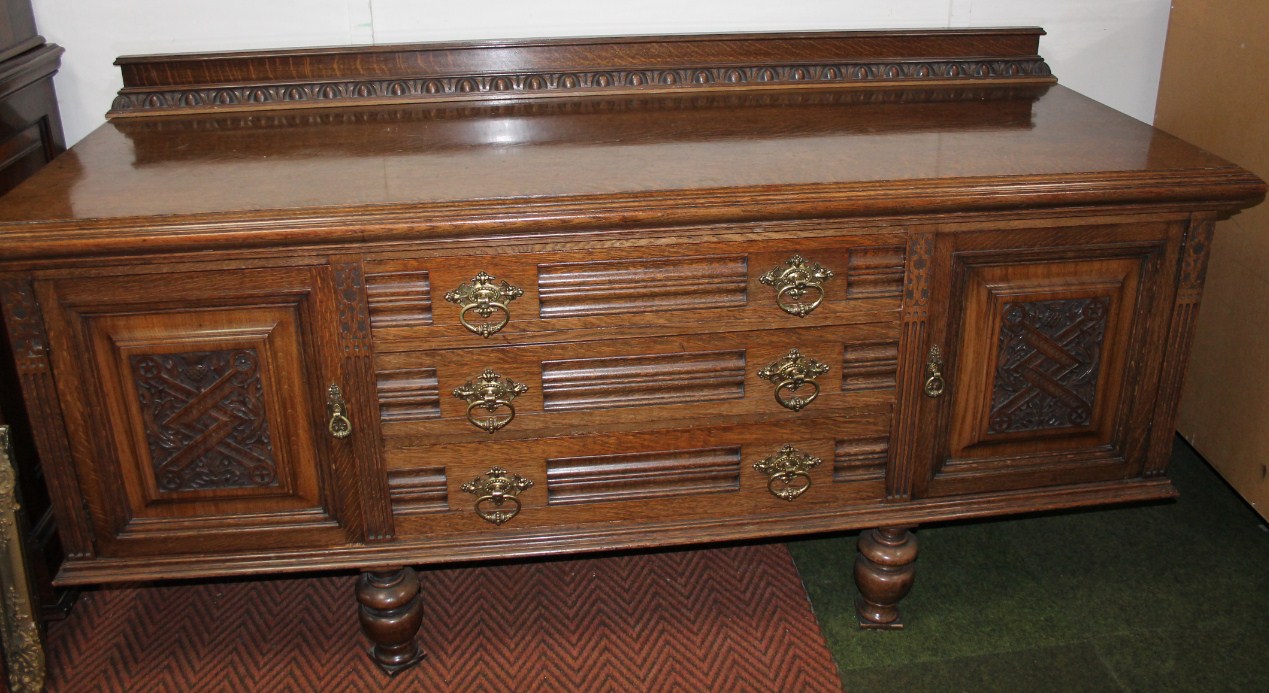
(725, 619)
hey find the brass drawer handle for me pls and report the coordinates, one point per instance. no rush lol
(789, 374)
(934, 383)
(339, 425)
(793, 281)
(490, 392)
(495, 490)
(787, 472)
(483, 297)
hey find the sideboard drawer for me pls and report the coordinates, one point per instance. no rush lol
(652, 476)
(458, 395)
(533, 297)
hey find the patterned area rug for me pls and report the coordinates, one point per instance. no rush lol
(725, 619)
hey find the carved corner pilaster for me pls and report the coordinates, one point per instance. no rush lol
(916, 299)
(1195, 252)
(357, 366)
(24, 322)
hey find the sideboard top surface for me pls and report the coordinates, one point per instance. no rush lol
(833, 151)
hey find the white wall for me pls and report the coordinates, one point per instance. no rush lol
(1109, 49)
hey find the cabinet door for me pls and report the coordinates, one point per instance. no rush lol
(195, 405)
(1052, 343)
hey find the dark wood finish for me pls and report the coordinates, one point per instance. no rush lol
(30, 126)
(203, 419)
(17, 28)
(1049, 249)
(390, 615)
(535, 68)
(884, 572)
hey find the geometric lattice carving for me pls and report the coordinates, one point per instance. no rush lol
(1047, 367)
(204, 420)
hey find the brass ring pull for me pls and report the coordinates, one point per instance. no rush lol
(490, 508)
(790, 374)
(491, 392)
(494, 491)
(793, 281)
(485, 329)
(795, 401)
(788, 472)
(339, 426)
(484, 297)
(493, 421)
(796, 292)
(935, 385)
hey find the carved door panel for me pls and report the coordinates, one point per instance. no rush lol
(1050, 355)
(196, 407)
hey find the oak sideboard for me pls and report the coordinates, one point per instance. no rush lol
(380, 307)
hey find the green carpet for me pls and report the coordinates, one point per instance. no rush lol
(1164, 596)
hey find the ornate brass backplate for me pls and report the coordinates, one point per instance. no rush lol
(339, 425)
(491, 392)
(484, 297)
(787, 472)
(793, 281)
(790, 374)
(493, 491)
(19, 631)
(934, 383)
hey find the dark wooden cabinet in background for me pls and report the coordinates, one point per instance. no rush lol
(30, 136)
(380, 307)
(30, 128)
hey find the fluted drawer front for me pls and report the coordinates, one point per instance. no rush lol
(420, 490)
(408, 394)
(654, 475)
(617, 292)
(631, 381)
(399, 299)
(870, 365)
(580, 289)
(545, 389)
(642, 475)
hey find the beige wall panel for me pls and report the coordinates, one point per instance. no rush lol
(1212, 92)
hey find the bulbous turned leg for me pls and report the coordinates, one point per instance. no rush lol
(883, 572)
(390, 615)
